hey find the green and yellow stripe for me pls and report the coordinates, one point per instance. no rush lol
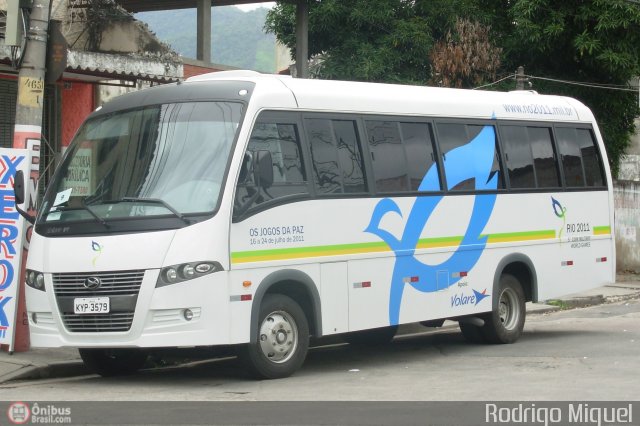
(379, 247)
(602, 230)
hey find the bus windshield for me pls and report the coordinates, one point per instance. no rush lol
(161, 160)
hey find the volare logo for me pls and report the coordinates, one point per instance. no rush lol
(462, 299)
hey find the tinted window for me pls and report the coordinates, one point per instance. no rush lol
(289, 178)
(388, 156)
(336, 156)
(543, 157)
(571, 153)
(418, 145)
(517, 152)
(402, 154)
(591, 161)
(349, 156)
(462, 160)
(324, 154)
(529, 156)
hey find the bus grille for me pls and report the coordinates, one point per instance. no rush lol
(122, 288)
(117, 321)
(116, 283)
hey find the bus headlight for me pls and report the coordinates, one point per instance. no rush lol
(35, 279)
(178, 273)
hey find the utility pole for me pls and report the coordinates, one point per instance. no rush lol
(28, 129)
(302, 39)
(520, 78)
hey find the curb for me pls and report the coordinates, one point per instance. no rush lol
(58, 369)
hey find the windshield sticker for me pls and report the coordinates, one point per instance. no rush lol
(53, 216)
(62, 197)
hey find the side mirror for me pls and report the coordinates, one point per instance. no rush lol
(18, 187)
(263, 169)
(18, 192)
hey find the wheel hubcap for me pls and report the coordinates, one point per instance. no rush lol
(278, 337)
(508, 309)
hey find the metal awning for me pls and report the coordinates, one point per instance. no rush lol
(97, 66)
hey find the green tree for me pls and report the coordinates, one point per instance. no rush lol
(370, 40)
(595, 41)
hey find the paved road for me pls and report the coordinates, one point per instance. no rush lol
(582, 354)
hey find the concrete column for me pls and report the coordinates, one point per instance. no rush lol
(204, 31)
(27, 133)
(302, 39)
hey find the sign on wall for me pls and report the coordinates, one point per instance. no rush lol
(12, 234)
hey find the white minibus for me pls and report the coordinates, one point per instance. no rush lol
(258, 211)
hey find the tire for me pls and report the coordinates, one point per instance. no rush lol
(506, 322)
(372, 337)
(113, 362)
(282, 339)
(472, 333)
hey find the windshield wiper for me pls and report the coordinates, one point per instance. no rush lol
(96, 217)
(155, 201)
(93, 214)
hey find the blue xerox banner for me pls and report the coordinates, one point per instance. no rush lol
(12, 234)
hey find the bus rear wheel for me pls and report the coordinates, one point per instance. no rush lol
(505, 323)
(113, 362)
(282, 341)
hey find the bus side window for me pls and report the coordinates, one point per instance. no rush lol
(289, 176)
(529, 155)
(571, 156)
(336, 156)
(580, 157)
(388, 156)
(544, 159)
(453, 136)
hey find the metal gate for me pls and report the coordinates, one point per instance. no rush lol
(8, 96)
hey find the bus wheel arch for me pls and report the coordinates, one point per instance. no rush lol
(298, 286)
(521, 267)
(285, 312)
(514, 284)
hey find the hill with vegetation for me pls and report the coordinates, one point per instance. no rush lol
(238, 38)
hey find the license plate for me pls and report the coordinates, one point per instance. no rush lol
(91, 305)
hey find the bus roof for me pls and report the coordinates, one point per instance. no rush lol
(378, 98)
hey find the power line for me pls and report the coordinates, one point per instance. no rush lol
(591, 85)
(495, 82)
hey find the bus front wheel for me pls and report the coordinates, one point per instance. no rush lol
(282, 341)
(113, 362)
(505, 323)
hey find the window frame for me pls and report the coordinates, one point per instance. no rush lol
(364, 152)
(557, 165)
(501, 160)
(298, 118)
(277, 117)
(596, 144)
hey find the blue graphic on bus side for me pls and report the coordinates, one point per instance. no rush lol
(473, 160)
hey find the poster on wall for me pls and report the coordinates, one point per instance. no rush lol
(12, 234)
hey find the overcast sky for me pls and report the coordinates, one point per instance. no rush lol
(255, 5)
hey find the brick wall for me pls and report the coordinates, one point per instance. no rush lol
(77, 104)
